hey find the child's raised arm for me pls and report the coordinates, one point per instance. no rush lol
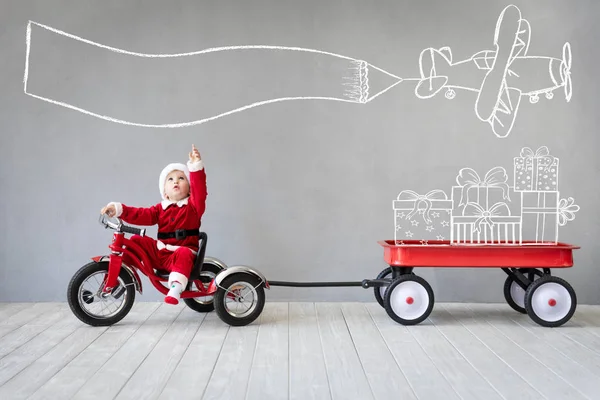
(198, 190)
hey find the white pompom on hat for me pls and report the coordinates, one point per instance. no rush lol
(166, 171)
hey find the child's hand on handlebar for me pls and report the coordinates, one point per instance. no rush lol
(194, 154)
(109, 209)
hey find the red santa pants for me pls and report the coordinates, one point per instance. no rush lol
(181, 260)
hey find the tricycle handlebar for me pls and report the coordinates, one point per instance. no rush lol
(119, 226)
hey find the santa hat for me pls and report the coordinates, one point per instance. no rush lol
(166, 171)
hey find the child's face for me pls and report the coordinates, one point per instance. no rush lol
(177, 186)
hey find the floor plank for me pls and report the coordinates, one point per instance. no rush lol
(298, 351)
(531, 370)
(30, 328)
(114, 374)
(269, 373)
(77, 372)
(308, 374)
(582, 380)
(424, 377)
(383, 373)
(229, 379)
(23, 356)
(43, 368)
(463, 377)
(556, 340)
(345, 372)
(151, 376)
(191, 376)
(22, 313)
(492, 367)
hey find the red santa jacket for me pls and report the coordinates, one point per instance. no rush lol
(170, 216)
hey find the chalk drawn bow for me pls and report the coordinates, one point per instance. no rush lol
(566, 211)
(485, 216)
(541, 154)
(420, 198)
(468, 178)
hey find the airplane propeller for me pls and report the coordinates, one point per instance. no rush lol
(565, 71)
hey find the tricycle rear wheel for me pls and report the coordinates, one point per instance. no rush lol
(203, 304)
(79, 297)
(235, 289)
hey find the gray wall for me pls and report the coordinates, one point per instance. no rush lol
(301, 189)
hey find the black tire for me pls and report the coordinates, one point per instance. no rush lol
(196, 304)
(391, 300)
(536, 303)
(258, 302)
(378, 290)
(87, 297)
(515, 304)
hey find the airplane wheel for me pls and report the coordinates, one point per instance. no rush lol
(534, 99)
(450, 94)
(549, 95)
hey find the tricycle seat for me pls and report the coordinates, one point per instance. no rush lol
(163, 273)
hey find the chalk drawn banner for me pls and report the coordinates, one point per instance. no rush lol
(186, 89)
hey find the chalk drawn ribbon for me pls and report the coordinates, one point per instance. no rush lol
(485, 216)
(418, 199)
(468, 178)
(541, 154)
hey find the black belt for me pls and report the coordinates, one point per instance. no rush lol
(178, 234)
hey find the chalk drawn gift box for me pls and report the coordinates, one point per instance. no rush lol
(543, 214)
(493, 224)
(487, 191)
(425, 217)
(536, 172)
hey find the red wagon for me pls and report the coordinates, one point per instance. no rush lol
(529, 287)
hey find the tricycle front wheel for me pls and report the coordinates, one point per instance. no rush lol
(90, 305)
(240, 299)
(409, 299)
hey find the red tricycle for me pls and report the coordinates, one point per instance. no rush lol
(529, 287)
(102, 292)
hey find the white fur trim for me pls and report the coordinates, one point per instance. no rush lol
(160, 245)
(118, 207)
(167, 203)
(176, 276)
(195, 166)
(166, 171)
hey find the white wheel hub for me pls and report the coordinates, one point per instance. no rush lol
(551, 302)
(409, 300)
(517, 294)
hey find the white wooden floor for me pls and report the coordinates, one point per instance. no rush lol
(298, 351)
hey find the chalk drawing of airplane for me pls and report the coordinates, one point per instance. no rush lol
(501, 76)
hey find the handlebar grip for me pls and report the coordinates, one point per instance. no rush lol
(132, 230)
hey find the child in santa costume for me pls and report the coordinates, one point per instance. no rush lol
(179, 215)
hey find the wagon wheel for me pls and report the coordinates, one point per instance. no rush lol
(380, 291)
(409, 299)
(514, 294)
(550, 301)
